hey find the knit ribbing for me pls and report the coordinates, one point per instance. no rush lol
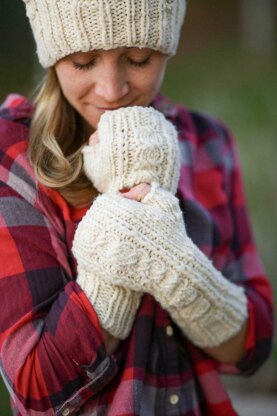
(115, 306)
(62, 27)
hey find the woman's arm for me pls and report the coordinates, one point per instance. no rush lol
(111, 343)
(235, 251)
(232, 350)
(253, 344)
(51, 342)
(212, 311)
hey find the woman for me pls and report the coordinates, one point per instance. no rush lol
(57, 354)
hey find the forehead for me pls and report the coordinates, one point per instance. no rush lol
(114, 52)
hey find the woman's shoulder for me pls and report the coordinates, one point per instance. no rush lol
(15, 119)
(15, 170)
(194, 126)
(16, 109)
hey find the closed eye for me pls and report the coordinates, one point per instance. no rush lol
(139, 63)
(85, 66)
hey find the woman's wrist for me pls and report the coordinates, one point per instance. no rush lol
(111, 342)
(231, 351)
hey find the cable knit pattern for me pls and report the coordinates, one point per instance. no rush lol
(62, 27)
(144, 247)
(136, 144)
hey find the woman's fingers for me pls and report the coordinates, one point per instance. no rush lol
(138, 192)
(94, 138)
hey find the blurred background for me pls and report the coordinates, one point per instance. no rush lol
(227, 66)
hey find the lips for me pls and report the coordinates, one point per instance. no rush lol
(113, 107)
(107, 108)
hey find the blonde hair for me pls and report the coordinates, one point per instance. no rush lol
(56, 139)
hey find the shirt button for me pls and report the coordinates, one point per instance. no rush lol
(169, 330)
(66, 411)
(174, 399)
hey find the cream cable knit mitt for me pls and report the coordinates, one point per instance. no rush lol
(144, 247)
(136, 145)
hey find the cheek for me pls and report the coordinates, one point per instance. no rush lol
(73, 90)
(152, 82)
(72, 87)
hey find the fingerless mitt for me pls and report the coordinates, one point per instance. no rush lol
(136, 144)
(144, 247)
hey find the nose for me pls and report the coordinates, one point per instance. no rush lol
(112, 85)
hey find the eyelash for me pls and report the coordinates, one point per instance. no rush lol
(84, 67)
(89, 65)
(139, 64)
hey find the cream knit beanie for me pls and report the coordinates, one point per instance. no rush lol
(62, 27)
(136, 144)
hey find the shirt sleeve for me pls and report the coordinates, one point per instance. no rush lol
(52, 355)
(213, 200)
(244, 268)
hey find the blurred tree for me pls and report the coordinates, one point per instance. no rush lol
(17, 49)
(258, 24)
(14, 32)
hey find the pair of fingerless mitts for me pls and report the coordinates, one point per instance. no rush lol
(125, 248)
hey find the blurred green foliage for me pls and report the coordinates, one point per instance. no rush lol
(4, 401)
(239, 88)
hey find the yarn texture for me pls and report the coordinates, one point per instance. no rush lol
(144, 247)
(136, 144)
(62, 27)
(115, 306)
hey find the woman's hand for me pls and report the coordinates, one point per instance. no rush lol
(137, 192)
(115, 306)
(128, 243)
(94, 138)
(132, 145)
(144, 247)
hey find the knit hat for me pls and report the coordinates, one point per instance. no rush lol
(62, 27)
(136, 144)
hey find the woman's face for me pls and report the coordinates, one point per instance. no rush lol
(97, 81)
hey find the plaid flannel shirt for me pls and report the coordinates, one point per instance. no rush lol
(52, 355)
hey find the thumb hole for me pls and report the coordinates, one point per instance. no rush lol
(164, 200)
(138, 192)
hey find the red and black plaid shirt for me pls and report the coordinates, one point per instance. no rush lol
(52, 355)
